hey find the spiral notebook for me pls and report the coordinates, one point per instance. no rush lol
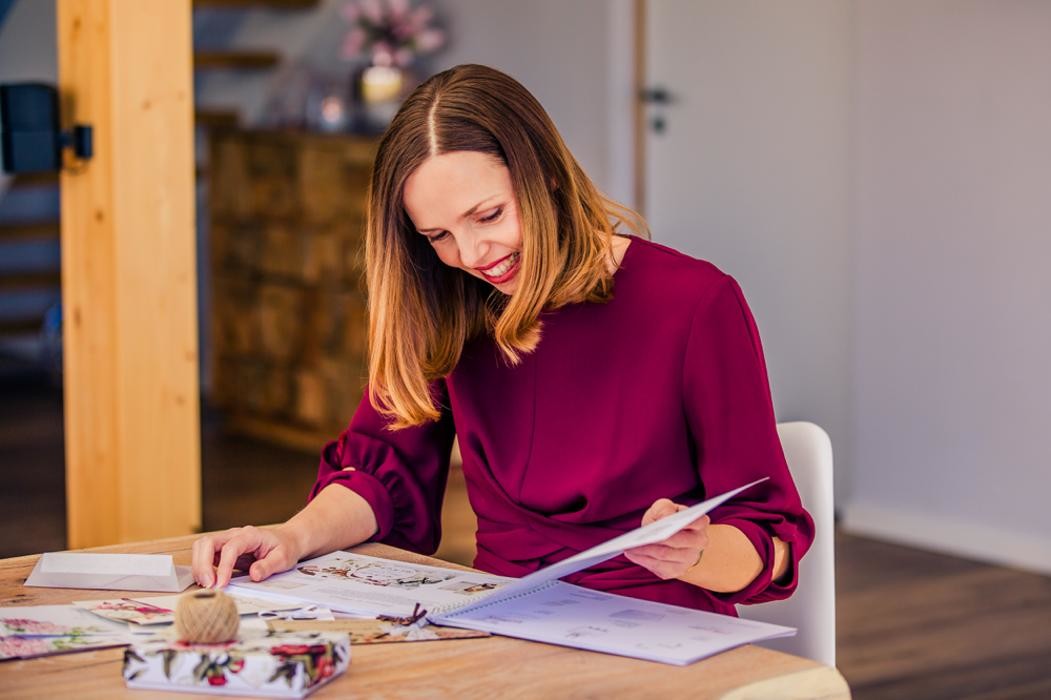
(541, 608)
(537, 607)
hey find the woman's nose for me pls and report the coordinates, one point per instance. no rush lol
(473, 249)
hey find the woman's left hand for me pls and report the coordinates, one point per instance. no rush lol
(679, 553)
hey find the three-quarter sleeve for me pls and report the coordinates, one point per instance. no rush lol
(401, 474)
(731, 418)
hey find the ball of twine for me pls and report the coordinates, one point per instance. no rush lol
(206, 617)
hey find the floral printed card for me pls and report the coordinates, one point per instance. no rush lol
(53, 621)
(141, 611)
(31, 647)
(40, 630)
(160, 610)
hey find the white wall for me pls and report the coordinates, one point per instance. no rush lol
(751, 173)
(572, 56)
(952, 290)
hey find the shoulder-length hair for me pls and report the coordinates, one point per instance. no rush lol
(421, 311)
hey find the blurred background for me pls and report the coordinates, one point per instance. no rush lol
(877, 175)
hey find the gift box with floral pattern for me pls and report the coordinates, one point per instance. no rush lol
(261, 662)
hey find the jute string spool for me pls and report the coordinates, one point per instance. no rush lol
(206, 617)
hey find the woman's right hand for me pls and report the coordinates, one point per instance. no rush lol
(263, 551)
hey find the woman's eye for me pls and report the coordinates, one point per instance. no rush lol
(437, 237)
(492, 217)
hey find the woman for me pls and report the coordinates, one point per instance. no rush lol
(596, 380)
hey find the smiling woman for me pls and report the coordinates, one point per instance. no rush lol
(595, 380)
(473, 162)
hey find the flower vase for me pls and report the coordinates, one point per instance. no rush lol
(378, 93)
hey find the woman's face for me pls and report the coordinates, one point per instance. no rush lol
(464, 204)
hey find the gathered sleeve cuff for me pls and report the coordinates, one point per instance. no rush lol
(731, 418)
(401, 474)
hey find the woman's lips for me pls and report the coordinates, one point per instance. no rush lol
(507, 267)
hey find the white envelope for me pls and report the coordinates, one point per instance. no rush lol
(120, 572)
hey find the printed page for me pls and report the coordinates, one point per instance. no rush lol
(648, 534)
(567, 615)
(370, 586)
(41, 630)
(160, 610)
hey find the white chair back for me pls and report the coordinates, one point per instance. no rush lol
(812, 608)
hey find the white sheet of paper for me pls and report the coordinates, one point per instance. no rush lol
(657, 531)
(568, 615)
(120, 572)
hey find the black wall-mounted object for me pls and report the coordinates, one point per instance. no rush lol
(30, 138)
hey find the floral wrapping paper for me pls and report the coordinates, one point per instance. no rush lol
(263, 663)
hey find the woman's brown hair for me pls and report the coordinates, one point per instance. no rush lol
(421, 311)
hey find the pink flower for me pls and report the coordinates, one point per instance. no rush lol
(371, 10)
(13, 647)
(398, 8)
(390, 32)
(353, 43)
(28, 626)
(289, 649)
(429, 40)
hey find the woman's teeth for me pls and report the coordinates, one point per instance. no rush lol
(503, 268)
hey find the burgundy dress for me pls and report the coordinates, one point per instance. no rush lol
(660, 393)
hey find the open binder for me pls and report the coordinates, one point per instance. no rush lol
(542, 608)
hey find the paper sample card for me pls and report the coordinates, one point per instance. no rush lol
(41, 630)
(160, 610)
(118, 572)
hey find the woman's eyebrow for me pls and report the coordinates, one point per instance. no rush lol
(464, 215)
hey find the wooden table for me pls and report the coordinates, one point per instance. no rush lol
(489, 667)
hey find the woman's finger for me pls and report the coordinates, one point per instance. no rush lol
(661, 508)
(247, 542)
(689, 539)
(700, 523)
(203, 573)
(657, 567)
(661, 552)
(272, 563)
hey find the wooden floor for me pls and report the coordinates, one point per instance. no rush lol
(911, 624)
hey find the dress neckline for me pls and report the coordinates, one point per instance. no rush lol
(627, 251)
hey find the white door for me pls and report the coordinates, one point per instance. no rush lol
(750, 172)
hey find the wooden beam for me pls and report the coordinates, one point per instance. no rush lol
(639, 53)
(129, 273)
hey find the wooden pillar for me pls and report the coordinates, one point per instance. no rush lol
(129, 272)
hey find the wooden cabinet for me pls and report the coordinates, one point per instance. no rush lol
(288, 321)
